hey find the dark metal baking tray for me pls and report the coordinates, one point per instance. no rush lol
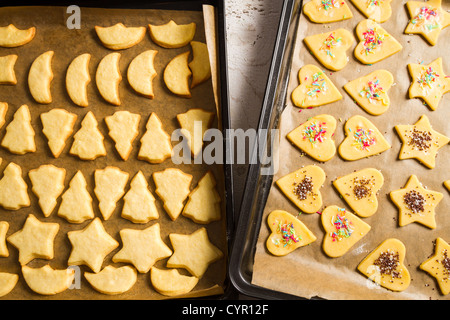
(258, 185)
(223, 78)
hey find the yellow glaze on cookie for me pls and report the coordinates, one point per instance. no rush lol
(421, 142)
(375, 44)
(315, 88)
(385, 265)
(438, 266)
(330, 48)
(315, 137)
(320, 11)
(428, 82)
(302, 187)
(363, 139)
(287, 233)
(360, 190)
(342, 230)
(416, 203)
(377, 10)
(370, 92)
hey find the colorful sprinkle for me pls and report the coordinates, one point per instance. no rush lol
(344, 227)
(318, 85)
(329, 43)
(427, 78)
(374, 92)
(288, 235)
(427, 18)
(315, 132)
(363, 139)
(371, 3)
(372, 39)
(329, 4)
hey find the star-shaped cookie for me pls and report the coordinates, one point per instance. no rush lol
(421, 142)
(142, 248)
(34, 240)
(194, 252)
(428, 82)
(438, 265)
(416, 203)
(91, 245)
(427, 19)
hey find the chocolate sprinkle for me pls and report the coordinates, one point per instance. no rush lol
(446, 263)
(303, 188)
(420, 140)
(362, 188)
(387, 263)
(414, 201)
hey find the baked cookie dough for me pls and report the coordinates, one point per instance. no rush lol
(416, 203)
(77, 79)
(377, 10)
(141, 72)
(315, 88)
(172, 35)
(13, 188)
(112, 280)
(7, 74)
(343, 230)
(170, 282)
(330, 48)
(421, 142)
(327, 11)
(19, 136)
(8, 282)
(48, 281)
(108, 78)
(4, 226)
(177, 74)
(118, 36)
(57, 126)
(40, 78)
(315, 137)
(11, 37)
(302, 187)
(287, 233)
(438, 266)
(123, 128)
(385, 265)
(88, 141)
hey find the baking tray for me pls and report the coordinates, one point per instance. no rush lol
(258, 185)
(223, 94)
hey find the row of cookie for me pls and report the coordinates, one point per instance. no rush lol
(91, 245)
(370, 92)
(172, 186)
(88, 143)
(384, 265)
(363, 139)
(426, 18)
(116, 37)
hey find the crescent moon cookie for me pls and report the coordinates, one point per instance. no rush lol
(363, 139)
(330, 48)
(40, 78)
(385, 266)
(177, 75)
(428, 82)
(421, 142)
(302, 187)
(371, 91)
(427, 19)
(8, 282)
(108, 77)
(327, 11)
(118, 36)
(315, 137)
(4, 252)
(112, 280)
(172, 35)
(141, 73)
(377, 10)
(48, 281)
(77, 79)
(416, 203)
(200, 65)
(360, 190)
(342, 230)
(170, 282)
(315, 88)
(375, 44)
(11, 37)
(7, 74)
(438, 266)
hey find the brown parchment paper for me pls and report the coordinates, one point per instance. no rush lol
(52, 34)
(308, 272)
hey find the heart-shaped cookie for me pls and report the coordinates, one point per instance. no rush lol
(371, 91)
(315, 88)
(363, 139)
(330, 48)
(385, 265)
(377, 10)
(375, 43)
(326, 11)
(315, 137)
(360, 189)
(302, 187)
(342, 230)
(287, 233)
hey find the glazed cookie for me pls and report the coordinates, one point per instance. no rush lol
(421, 142)
(77, 79)
(19, 136)
(363, 139)
(315, 88)
(11, 37)
(342, 230)
(371, 91)
(427, 19)
(118, 36)
(438, 265)
(377, 10)
(330, 48)
(302, 187)
(428, 82)
(48, 281)
(385, 265)
(315, 137)
(327, 11)
(40, 78)
(375, 43)
(112, 280)
(170, 282)
(416, 203)
(287, 233)
(7, 74)
(360, 190)
(172, 35)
